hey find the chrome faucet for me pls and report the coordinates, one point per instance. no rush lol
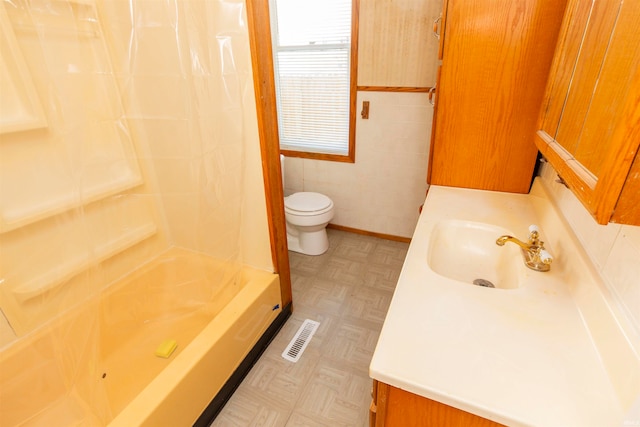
(535, 255)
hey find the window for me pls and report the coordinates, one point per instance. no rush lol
(315, 77)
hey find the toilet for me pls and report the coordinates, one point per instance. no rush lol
(307, 215)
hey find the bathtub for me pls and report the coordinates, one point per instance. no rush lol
(96, 365)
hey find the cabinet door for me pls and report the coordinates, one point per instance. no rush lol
(497, 55)
(400, 408)
(589, 126)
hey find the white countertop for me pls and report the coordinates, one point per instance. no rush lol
(521, 357)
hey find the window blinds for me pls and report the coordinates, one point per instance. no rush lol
(312, 45)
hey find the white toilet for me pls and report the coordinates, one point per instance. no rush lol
(307, 216)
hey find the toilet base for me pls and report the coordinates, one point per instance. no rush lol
(307, 242)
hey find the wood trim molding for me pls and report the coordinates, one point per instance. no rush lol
(566, 169)
(443, 29)
(393, 89)
(265, 94)
(370, 233)
(353, 75)
(319, 156)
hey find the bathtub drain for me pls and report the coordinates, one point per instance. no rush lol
(484, 283)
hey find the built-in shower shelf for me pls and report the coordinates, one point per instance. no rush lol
(73, 266)
(12, 218)
(72, 18)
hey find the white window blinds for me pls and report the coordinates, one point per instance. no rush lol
(311, 48)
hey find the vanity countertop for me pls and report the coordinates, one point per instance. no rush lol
(548, 353)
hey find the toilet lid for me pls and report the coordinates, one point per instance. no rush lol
(307, 202)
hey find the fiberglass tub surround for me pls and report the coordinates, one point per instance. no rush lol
(130, 172)
(541, 348)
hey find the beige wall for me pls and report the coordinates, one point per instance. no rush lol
(613, 248)
(383, 190)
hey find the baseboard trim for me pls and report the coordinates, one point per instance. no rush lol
(213, 409)
(370, 233)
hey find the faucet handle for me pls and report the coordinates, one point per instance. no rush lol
(545, 257)
(534, 234)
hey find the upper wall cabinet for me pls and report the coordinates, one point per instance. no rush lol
(496, 56)
(589, 125)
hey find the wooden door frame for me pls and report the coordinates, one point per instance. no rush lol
(265, 94)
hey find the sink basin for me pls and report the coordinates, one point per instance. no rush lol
(466, 251)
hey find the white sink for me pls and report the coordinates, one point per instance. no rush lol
(467, 252)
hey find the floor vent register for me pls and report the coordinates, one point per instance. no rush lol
(300, 341)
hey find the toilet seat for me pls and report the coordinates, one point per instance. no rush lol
(307, 203)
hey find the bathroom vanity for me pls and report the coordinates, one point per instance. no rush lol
(392, 406)
(537, 349)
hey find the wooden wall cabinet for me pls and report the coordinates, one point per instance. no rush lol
(496, 56)
(393, 407)
(589, 124)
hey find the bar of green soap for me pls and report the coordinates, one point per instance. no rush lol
(166, 348)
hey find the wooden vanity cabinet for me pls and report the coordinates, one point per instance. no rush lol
(393, 407)
(589, 124)
(496, 56)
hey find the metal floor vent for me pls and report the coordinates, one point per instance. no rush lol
(299, 342)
